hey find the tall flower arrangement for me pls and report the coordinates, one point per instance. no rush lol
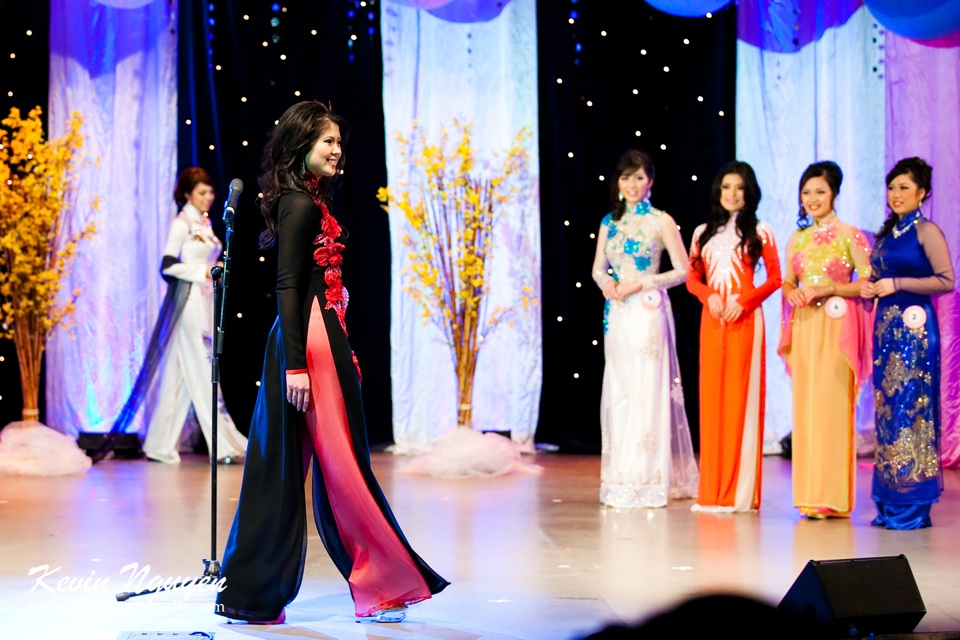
(37, 245)
(452, 204)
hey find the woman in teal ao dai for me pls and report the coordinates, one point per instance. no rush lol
(910, 263)
(647, 455)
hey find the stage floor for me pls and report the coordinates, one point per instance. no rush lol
(529, 556)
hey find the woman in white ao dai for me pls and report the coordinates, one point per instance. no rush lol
(647, 455)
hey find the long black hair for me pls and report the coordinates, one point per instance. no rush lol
(829, 171)
(284, 160)
(747, 218)
(920, 172)
(629, 163)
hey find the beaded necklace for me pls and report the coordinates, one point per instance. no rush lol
(907, 221)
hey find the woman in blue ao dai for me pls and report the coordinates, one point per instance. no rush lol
(910, 263)
(647, 455)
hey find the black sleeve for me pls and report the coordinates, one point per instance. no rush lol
(298, 222)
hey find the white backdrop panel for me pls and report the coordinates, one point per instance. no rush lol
(823, 102)
(484, 73)
(118, 68)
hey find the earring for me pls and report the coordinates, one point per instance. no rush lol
(620, 197)
(303, 164)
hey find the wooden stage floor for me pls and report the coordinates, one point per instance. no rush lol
(529, 556)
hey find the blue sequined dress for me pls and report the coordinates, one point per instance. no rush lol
(907, 477)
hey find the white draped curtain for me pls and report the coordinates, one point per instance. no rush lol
(116, 65)
(823, 101)
(475, 61)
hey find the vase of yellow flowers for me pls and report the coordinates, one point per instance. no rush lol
(451, 203)
(37, 242)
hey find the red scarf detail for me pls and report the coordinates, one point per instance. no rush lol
(328, 255)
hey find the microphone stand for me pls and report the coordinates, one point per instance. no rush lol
(221, 279)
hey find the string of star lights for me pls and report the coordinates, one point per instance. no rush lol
(263, 58)
(625, 76)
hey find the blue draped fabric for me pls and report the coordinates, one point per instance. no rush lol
(117, 67)
(907, 477)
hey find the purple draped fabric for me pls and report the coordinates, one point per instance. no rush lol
(786, 26)
(923, 119)
(459, 10)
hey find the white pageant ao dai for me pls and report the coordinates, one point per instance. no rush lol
(185, 372)
(647, 453)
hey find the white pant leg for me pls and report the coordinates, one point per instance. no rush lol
(195, 350)
(170, 411)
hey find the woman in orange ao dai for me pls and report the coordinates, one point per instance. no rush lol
(723, 259)
(826, 344)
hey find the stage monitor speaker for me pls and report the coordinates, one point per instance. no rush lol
(124, 445)
(857, 596)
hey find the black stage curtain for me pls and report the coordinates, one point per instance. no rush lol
(610, 58)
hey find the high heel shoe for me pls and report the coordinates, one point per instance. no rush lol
(390, 614)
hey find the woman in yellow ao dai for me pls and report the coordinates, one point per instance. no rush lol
(825, 341)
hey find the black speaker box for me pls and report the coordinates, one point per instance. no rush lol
(124, 445)
(857, 596)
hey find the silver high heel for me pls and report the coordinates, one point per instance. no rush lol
(393, 614)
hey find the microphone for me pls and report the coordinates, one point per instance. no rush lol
(230, 207)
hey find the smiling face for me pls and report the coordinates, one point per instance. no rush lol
(816, 196)
(323, 158)
(903, 194)
(202, 197)
(635, 186)
(732, 196)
